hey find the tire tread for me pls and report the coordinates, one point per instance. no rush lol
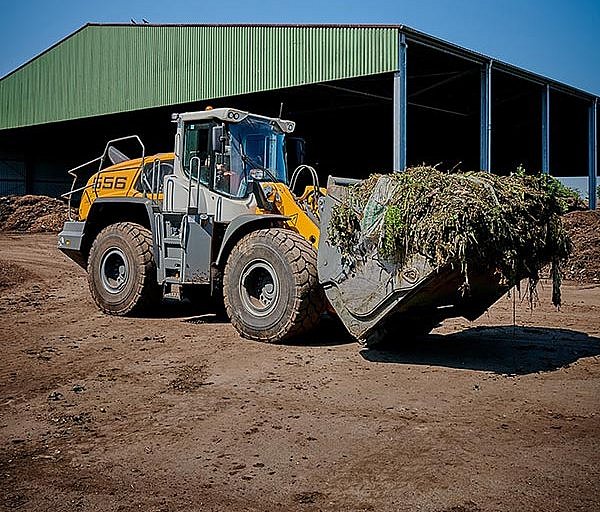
(147, 291)
(309, 299)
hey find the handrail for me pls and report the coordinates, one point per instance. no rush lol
(73, 190)
(154, 191)
(198, 187)
(168, 195)
(189, 199)
(108, 144)
(101, 159)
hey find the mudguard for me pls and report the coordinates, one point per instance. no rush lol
(241, 226)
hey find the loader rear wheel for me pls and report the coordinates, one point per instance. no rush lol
(270, 286)
(121, 269)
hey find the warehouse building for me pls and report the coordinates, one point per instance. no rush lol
(365, 99)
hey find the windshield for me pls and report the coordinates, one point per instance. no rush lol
(256, 145)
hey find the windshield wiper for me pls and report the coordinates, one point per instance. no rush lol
(247, 160)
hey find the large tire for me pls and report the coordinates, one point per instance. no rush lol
(122, 271)
(270, 286)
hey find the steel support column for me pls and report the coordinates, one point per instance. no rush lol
(546, 129)
(485, 126)
(593, 155)
(400, 108)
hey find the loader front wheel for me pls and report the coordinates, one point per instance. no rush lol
(121, 269)
(270, 286)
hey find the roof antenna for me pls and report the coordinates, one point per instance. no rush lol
(280, 110)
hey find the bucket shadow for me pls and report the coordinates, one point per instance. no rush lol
(504, 350)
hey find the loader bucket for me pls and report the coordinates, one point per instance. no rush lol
(378, 300)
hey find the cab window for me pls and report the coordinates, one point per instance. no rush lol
(196, 154)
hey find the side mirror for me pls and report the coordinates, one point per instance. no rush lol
(217, 137)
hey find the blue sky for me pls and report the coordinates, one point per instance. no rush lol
(560, 39)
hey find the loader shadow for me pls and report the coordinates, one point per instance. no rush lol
(206, 318)
(503, 350)
(329, 333)
(185, 311)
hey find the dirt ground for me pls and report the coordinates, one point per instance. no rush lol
(177, 412)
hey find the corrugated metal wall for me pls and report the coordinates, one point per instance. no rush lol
(109, 69)
(12, 177)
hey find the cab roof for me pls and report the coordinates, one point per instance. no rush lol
(233, 115)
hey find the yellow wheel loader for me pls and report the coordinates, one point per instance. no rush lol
(220, 220)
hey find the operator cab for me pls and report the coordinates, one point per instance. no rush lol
(226, 149)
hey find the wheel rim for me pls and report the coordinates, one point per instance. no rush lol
(114, 270)
(259, 287)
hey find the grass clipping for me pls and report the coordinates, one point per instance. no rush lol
(511, 224)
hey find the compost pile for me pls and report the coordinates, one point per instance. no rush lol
(32, 214)
(584, 263)
(508, 223)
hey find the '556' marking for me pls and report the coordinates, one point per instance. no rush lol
(110, 182)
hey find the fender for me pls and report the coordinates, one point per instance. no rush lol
(241, 226)
(117, 201)
(77, 236)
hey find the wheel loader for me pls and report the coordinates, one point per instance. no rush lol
(220, 220)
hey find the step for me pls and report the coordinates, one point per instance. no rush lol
(172, 263)
(172, 241)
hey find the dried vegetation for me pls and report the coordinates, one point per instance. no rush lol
(508, 223)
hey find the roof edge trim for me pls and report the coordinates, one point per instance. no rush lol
(50, 48)
(458, 51)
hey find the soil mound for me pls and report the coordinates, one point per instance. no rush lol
(584, 229)
(32, 214)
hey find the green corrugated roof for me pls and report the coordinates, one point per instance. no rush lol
(105, 69)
